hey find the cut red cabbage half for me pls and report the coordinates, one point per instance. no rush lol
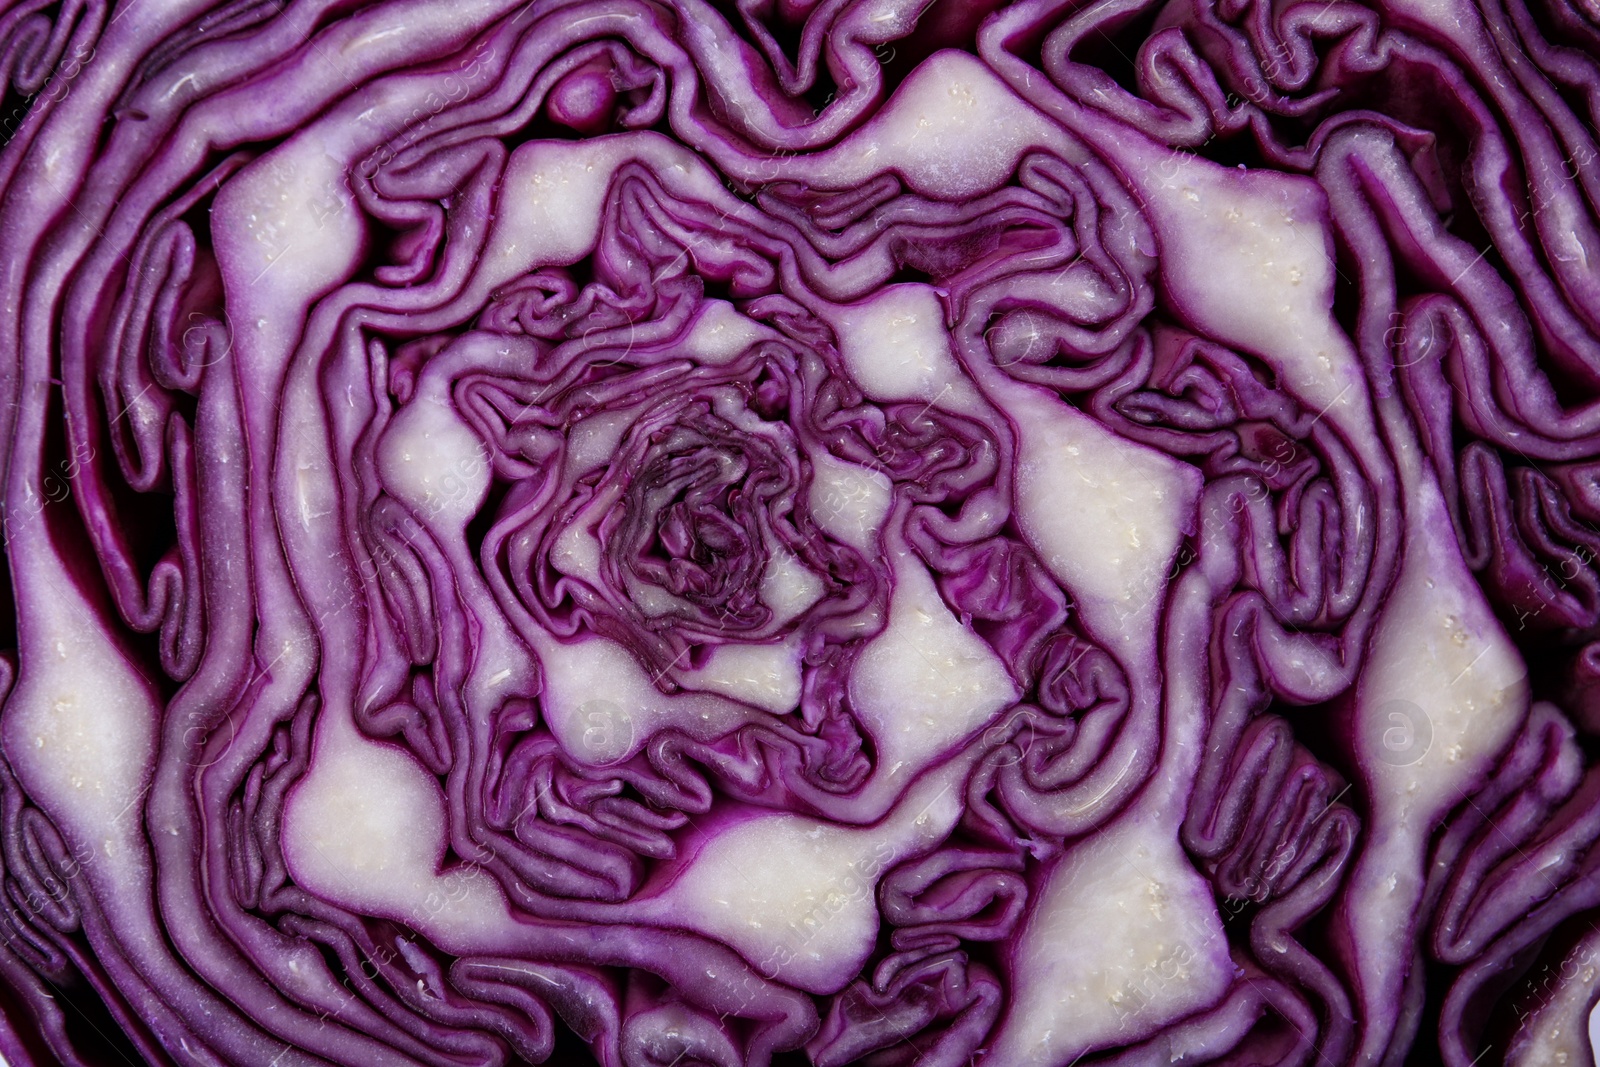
(885, 532)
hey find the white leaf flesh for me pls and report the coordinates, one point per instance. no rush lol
(923, 684)
(1122, 938)
(797, 896)
(80, 729)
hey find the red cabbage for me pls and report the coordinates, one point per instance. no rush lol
(656, 532)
